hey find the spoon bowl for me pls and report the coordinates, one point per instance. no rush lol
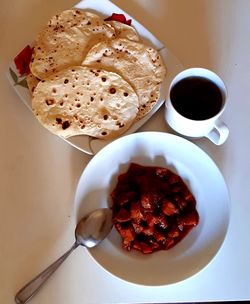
(94, 227)
(89, 232)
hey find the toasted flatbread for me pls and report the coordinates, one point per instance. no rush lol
(65, 40)
(138, 64)
(124, 31)
(32, 82)
(85, 101)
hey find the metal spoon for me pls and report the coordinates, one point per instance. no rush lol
(90, 231)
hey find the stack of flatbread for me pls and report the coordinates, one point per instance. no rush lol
(92, 77)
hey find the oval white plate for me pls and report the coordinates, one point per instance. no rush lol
(202, 176)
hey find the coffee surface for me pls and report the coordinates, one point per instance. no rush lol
(196, 98)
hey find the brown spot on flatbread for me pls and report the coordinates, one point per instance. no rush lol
(65, 124)
(50, 101)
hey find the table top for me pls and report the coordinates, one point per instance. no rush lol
(39, 171)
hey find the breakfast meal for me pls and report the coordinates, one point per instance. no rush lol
(91, 76)
(153, 209)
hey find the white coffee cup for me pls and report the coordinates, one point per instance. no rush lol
(211, 127)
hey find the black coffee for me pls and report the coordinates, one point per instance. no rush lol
(196, 98)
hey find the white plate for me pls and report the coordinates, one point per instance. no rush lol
(202, 176)
(105, 8)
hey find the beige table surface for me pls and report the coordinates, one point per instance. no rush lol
(39, 172)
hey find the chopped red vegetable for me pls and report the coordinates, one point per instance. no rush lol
(153, 209)
(22, 60)
(120, 18)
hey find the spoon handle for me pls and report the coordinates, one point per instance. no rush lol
(31, 288)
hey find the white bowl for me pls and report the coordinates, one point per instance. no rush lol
(204, 180)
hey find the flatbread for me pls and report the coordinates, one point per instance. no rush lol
(124, 31)
(66, 39)
(85, 101)
(138, 64)
(32, 82)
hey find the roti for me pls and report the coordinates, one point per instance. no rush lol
(66, 39)
(85, 101)
(124, 31)
(32, 82)
(138, 64)
(92, 77)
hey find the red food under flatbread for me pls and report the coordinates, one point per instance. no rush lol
(120, 18)
(22, 60)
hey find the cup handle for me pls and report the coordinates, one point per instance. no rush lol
(219, 133)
